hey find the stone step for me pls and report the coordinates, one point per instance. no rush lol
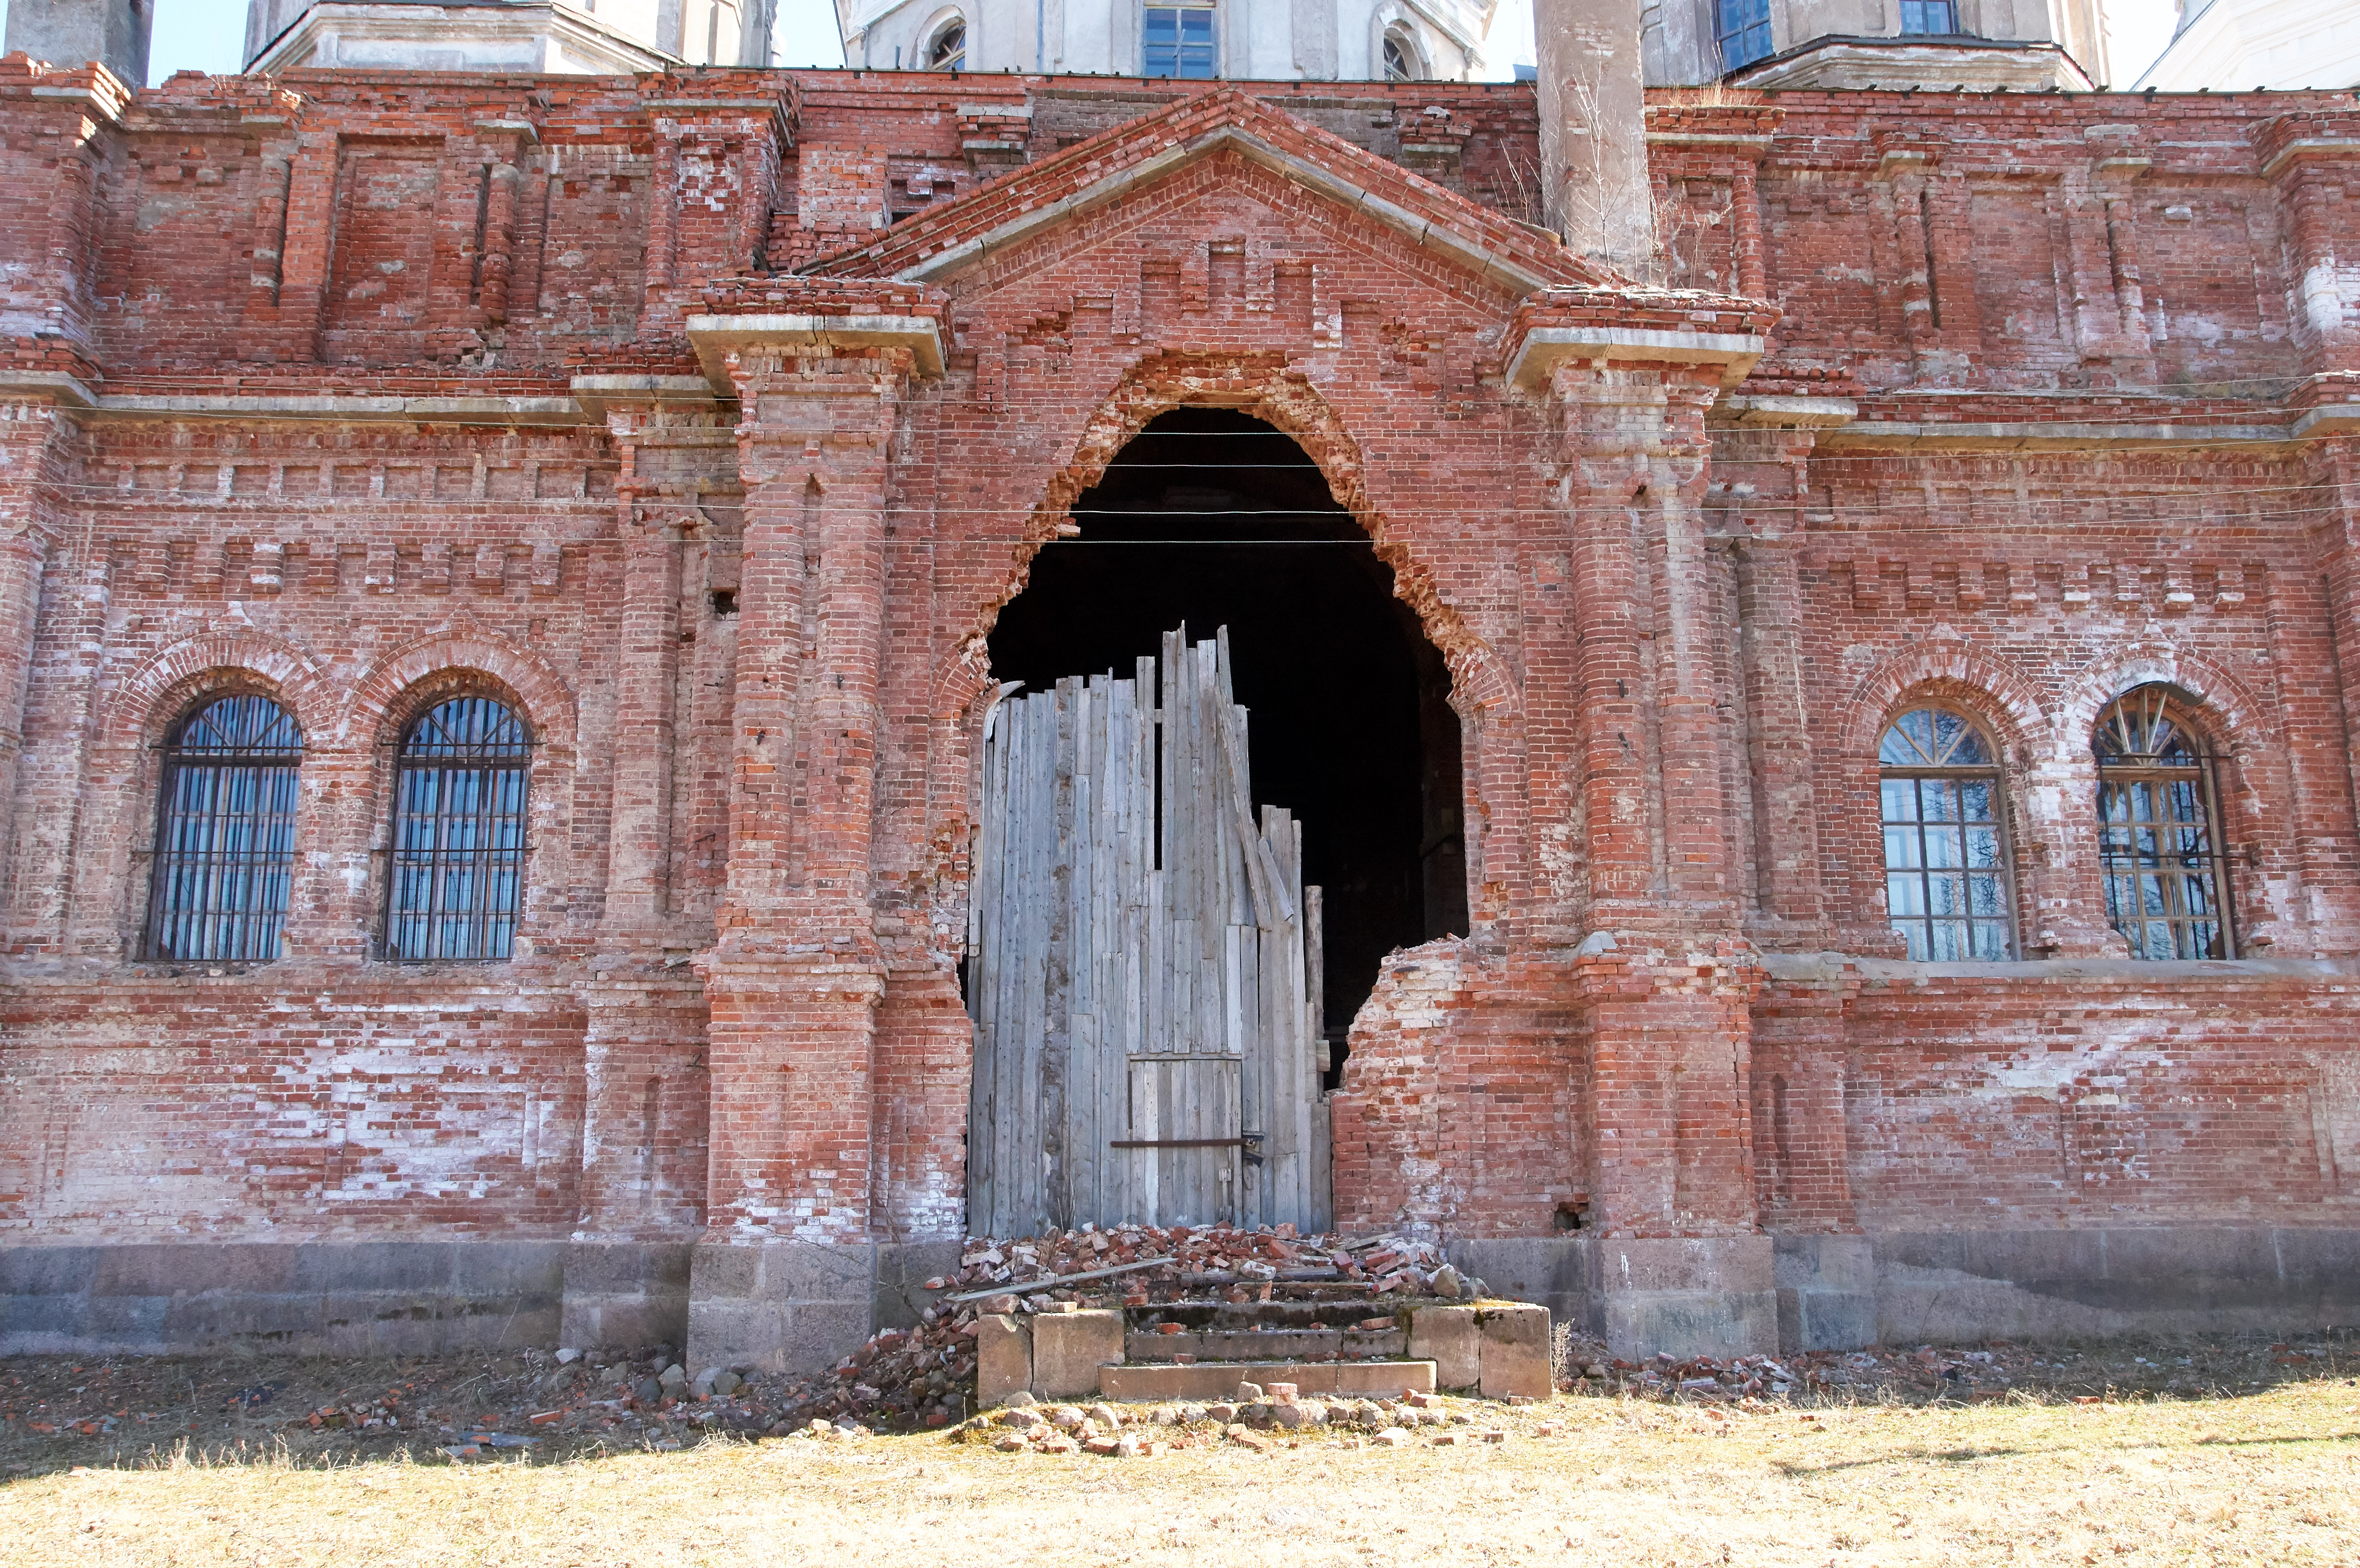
(1267, 1343)
(1215, 1380)
(1239, 1317)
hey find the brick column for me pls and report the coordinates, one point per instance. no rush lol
(796, 973)
(1662, 980)
(2309, 158)
(22, 551)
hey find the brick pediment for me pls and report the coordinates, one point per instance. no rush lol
(1105, 169)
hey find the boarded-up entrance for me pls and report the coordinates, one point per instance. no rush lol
(1144, 976)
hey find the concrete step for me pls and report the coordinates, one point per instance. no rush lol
(1214, 1381)
(1266, 1343)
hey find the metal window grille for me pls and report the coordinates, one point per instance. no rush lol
(1178, 40)
(1742, 29)
(1947, 889)
(1399, 66)
(2167, 886)
(225, 834)
(1928, 17)
(458, 834)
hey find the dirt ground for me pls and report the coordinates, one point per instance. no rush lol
(2212, 1451)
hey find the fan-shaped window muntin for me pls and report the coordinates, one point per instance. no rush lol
(1947, 889)
(947, 52)
(1400, 58)
(456, 880)
(2158, 840)
(225, 862)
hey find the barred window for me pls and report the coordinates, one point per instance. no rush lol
(1946, 887)
(2157, 829)
(226, 832)
(458, 834)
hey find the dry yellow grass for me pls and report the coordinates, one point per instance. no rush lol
(2270, 1478)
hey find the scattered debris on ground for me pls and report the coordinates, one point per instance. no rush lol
(924, 1376)
(543, 1404)
(2212, 1365)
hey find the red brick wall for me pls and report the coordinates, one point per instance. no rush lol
(354, 466)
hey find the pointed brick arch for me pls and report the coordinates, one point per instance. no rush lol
(1264, 386)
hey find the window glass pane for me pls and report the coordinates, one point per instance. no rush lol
(1942, 847)
(1941, 799)
(1900, 800)
(1902, 848)
(1905, 896)
(1985, 896)
(1975, 800)
(1909, 741)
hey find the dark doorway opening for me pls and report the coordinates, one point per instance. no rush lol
(1214, 519)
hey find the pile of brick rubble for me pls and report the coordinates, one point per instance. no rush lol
(1258, 1418)
(924, 1376)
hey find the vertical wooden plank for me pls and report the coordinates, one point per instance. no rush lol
(1170, 876)
(1271, 1064)
(984, 882)
(1013, 959)
(1114, 909)
(1040, 783)
(1082, 1137)
(1303, 1076)
(1058, 1047)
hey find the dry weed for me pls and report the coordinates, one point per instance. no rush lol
(2269, 1477)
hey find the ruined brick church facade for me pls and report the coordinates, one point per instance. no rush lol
(1832, 626)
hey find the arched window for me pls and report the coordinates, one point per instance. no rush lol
(1946, 876)
(226, 832)
(458, 834)
(1401, 58)
(948, 50)
(2157, 839)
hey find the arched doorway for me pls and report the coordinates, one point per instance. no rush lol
(1211, 518)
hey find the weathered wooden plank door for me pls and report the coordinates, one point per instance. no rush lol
(1143, 965)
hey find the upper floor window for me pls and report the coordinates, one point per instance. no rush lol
(226, 832)
(1946, 878)
(948, 50)
(458, 834)
(1928, 17)
(1401, 58)
(1742, 28)
(2158, 836)
(1176, 41)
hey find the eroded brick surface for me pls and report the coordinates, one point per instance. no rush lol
(359, 391)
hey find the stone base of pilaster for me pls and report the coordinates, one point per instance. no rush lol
(1827, 1292)
(799, 1307)
(1684, 1296)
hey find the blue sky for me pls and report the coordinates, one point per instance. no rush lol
(206, 35)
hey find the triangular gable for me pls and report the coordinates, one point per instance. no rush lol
(1013, 207)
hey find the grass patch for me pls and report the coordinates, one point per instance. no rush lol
(2266, 1477)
